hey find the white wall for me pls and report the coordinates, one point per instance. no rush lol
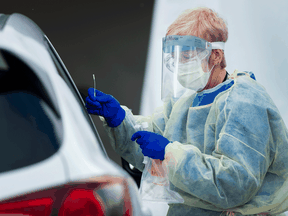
(257, 42)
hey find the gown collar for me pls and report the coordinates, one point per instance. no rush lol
(207, 96)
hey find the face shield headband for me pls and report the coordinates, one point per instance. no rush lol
(185, 64)
(189, 41)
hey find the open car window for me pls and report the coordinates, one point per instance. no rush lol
(30, 127)
(63, 72)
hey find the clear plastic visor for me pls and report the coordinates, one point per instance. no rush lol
(179, 62)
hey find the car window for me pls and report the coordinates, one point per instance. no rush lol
(63, 72)
(30, 127)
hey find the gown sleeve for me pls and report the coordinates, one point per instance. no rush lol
(120, 137)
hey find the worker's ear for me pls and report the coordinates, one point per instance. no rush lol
(216, 56)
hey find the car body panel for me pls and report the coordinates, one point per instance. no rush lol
(47, 173)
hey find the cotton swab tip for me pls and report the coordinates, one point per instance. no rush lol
(94, 85)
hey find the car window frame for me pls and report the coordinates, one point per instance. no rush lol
(65, 75)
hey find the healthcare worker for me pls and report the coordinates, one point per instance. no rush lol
(221, 137)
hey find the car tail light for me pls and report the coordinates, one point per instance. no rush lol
(82, 202)
(28, 207)
(104, 195)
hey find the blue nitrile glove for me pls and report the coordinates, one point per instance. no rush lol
(105, 105)
(152, 144)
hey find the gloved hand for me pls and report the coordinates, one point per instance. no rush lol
(152, 144)
(105, 105)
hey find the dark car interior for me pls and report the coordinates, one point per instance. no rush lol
(28, 117)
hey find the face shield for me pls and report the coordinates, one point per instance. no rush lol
(185, 64)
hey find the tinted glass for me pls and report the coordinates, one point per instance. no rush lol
(30, 126)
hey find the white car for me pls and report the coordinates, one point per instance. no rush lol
(52, 160)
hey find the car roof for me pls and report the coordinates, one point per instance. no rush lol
(23, 25)
(21, 37)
